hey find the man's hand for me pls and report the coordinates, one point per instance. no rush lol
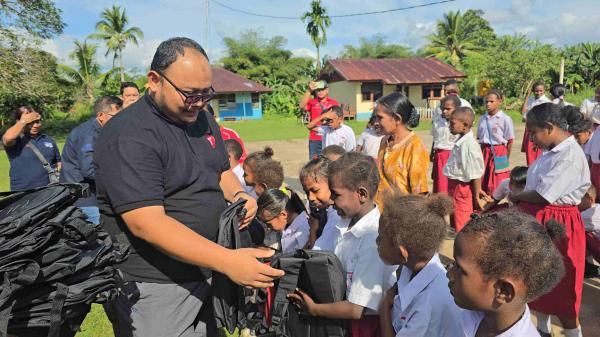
(244, 269)
(250, 206)
(31, 117)
(303, 302)
(312, 85)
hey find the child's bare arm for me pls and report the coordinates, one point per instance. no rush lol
(341, 309)
(478, 194)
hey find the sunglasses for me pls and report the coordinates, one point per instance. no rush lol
(191, 99)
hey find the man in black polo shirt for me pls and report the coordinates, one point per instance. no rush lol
(162, 178)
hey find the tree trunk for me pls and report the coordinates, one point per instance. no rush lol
(318, 60)
(89, 90)
(121, 68)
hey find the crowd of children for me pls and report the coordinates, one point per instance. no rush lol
(521, 234)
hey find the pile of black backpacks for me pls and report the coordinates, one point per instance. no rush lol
(53, 263)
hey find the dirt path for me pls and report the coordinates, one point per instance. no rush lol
(294, 153)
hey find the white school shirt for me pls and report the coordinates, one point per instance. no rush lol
(501, 126)
(591, 109)
(370, 141)
(327, 239)
(561, 175)
(502, 191)
(591, 218)
(238, 170)
(522, 328)
(424, 306)
(295, 236)
(367, 277)
(342, 136)
(592, 148)
(557, 101)
(440, 130)
(532, 102)
(466, 161)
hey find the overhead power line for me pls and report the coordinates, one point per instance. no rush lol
(331, 16)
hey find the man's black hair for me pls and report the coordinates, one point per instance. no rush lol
(104, 103)
(168, 51)
(125, 85)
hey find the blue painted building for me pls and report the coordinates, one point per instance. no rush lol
(238, 98)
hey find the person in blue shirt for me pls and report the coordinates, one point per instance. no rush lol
(26, 169)
(78, 153)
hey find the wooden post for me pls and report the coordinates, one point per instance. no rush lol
(562, 71)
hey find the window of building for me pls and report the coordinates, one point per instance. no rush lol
(371, 90)
(432, 91)
(226, 101)
(402, 88)
(255, 100)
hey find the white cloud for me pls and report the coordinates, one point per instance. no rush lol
(304, 52)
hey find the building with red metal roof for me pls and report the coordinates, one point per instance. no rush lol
(237, 97)
(358, 83)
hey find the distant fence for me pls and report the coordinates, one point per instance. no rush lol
(426, 113)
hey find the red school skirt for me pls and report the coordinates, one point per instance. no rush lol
(440, 181)
(565, 299)
(462, 196)
(368, 326)
(531, 151)
(491, 179)
(595, 177)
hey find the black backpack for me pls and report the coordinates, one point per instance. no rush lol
(53, 263)
(321, 275)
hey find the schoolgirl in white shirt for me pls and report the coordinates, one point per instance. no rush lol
(286, 214)
(531, 152)
(353, 180)
(411, 230)
(502, 261)
(590, 107)
(556, 183)
(323, 218)
(558, 92)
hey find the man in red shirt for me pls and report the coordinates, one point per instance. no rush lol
(315, 107)
(227, 133)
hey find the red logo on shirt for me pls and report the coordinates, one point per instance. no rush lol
(211, 140)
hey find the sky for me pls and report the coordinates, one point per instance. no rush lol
(558, 22)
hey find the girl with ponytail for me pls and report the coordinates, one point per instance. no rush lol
(556, 184)
(403, 160)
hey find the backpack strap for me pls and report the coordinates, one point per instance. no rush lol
(58, 303)
(26, 277)
(287, 284)
(51, 171)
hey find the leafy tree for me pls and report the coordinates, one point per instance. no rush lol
(112, 29)
(516, 62)
(478, 29)
(87, 75)
(317, 22)
(451, 43)
(582, 64)
(265, 60)
(377, 48)
(38, 18)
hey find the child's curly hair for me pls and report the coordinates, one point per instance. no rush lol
(514, 244)
(416, 222)
(316, 169)
(258, 156)
(268, 172)
(356, 170)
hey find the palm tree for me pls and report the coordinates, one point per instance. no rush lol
(87, 73)
(113, 30)
(451, 43)
(318, 22)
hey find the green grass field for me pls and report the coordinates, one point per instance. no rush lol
(96, 323)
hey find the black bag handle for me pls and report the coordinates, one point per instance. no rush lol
(287, 284)
(58, 302)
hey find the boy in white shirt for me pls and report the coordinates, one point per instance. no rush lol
(590, 213)
(369, 141)
(331, 126)
(590, 107)
(516, 183)
(235, 151)
(464, 169)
